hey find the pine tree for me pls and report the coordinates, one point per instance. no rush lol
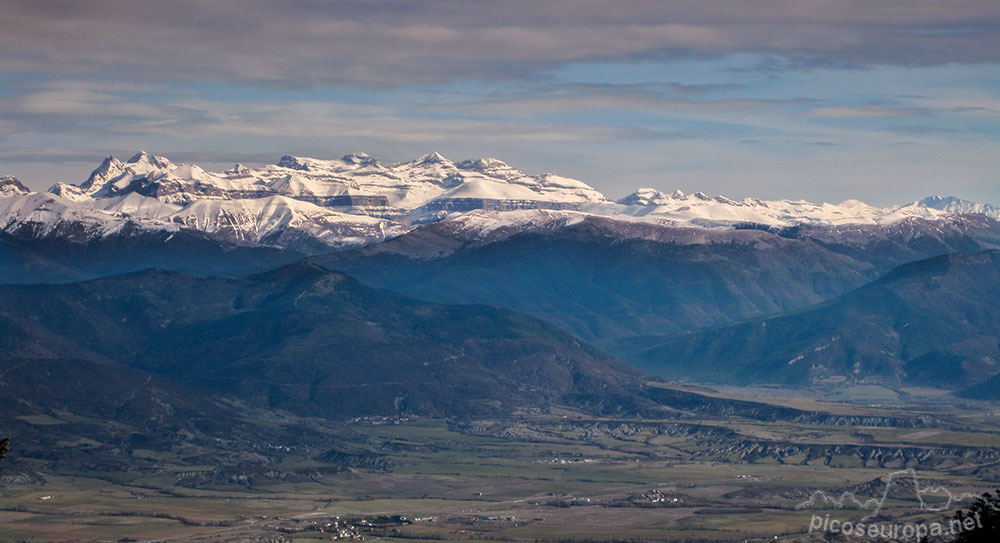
(4, 446)
(985, 512)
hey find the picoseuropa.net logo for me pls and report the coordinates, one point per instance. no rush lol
(900, 484)
(894, 531)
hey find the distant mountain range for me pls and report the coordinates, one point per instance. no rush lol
(670, 283)
(315, 206)
(934, 322)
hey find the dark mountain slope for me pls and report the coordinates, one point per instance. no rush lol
(59, 259)
(51, 400)
(935, 321)
(604, 280)
(987, 390)
(311, 341)
(72, 416)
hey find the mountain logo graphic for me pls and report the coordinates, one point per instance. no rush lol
(905, 480)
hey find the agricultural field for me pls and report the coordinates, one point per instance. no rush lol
(553, 476)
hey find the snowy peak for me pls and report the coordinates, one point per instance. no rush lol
(282, 221)
(786, 212)
(701, 210)
(113, 176)
(348, 163)
(646, 197)
(274, 221)
(430, 168)
(109, 169)
(491, 167)
(69, 192)
(45, 215)
(940, 202)
(295, 163)
(309, 204)
(433, 186)
(357, 182)
(653, 198)
(486, 189)
(11, 186)
(143, 161)
(314, 205)
(951, 204)
(433, 158)
(360, 160)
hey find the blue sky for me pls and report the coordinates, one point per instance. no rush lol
(885, 102)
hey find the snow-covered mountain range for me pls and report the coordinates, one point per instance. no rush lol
(315, 205)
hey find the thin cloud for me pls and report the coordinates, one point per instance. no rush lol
(867, 112)
(921, 130)
(397, 43)
(703, 89)
(822, 143)
(77, 112)
(581, 98)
